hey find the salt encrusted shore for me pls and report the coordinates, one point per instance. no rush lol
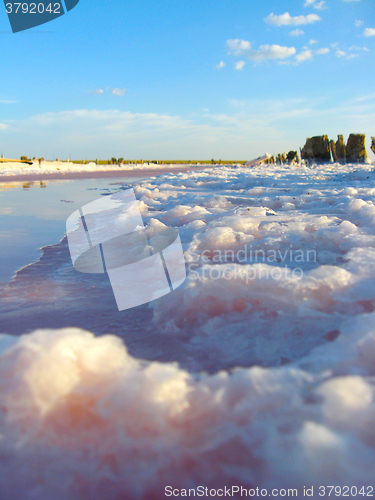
(68, 170)
(274, 386)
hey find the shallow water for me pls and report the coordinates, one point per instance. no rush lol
(33, 215)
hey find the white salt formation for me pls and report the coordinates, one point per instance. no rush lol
(280, 291)
(62, 167)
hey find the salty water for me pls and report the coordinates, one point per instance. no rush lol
(33, 215)
(39, 288)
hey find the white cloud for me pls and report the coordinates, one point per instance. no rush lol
(369, 32)
(296, 32)
(97, 92)
(7, 101)
(263, 53)
(304, 56)
(3, 126)
(363, 98)
(220, 65)
(322, 51)
(238, 46)
(341, 53)
(140, 135)
(355, 47)
(312, 42)
(270, 52)
(261, 125)
(287, 20)
(239, 65)
(118, 91)
(315, 4)
(358, 23)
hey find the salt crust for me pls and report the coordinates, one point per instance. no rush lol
(80, 418)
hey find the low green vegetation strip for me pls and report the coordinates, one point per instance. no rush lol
(116, 161)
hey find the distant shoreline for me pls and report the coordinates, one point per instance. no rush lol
(97, 174)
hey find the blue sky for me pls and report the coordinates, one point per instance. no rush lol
(187, 79)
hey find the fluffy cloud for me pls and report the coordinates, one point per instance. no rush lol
(304, 56)
(220, 65)
(307, 54)
(264, 52)
(287, 20)
(115, 91)
(369, 32)
(315, 4)
(238, 46)
(3, 126)
(239, 65)
(341, 53)
(355, 47)
(118, 91)
(270, 52)
(296, 32)
(358, 23)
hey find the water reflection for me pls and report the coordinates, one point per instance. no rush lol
(33, 214)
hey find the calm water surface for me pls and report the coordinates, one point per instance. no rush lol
(33, 215)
